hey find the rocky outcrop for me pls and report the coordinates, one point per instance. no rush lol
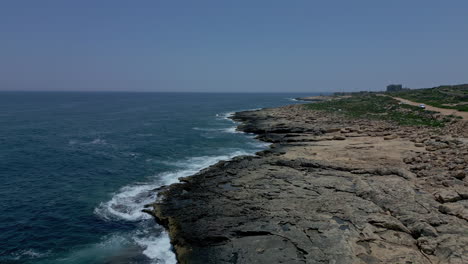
(327, 191)
(315, 98)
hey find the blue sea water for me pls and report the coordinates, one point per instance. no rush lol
(77, 168)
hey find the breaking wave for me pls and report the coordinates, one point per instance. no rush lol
(127, 203)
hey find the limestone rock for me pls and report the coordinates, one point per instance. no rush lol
(302, 201)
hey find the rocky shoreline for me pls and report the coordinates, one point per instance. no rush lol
(318, 98)
(329, 190)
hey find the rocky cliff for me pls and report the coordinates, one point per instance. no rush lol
(328, 190)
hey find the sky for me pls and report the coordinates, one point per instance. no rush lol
(232, 46)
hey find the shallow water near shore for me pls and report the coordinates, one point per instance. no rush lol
(77, 168)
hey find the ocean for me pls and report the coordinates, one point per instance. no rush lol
(76, 168)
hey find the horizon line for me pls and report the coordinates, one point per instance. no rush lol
(120, 91)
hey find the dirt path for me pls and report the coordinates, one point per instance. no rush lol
(443, 111)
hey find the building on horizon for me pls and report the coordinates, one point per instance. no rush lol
(394, 87)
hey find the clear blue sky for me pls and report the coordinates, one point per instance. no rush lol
(227, 46)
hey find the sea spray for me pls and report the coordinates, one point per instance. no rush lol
(127, 204)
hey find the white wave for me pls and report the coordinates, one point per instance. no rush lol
(228, 115)
(225, 130)
(128, 202)
(116, 247)
(196, 164)
(157, 248)
(254, 109)
(293, 99)
(96, 141)
(28, 254)
(148, 243)
(232, 130)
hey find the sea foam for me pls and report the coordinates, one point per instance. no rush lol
(226, 116)
(127, 203)
(27, 254)
(157, 248)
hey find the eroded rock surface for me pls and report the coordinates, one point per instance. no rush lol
(327, 191)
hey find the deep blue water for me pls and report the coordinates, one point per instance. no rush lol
(77, 168)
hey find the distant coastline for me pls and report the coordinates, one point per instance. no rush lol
(319, 98)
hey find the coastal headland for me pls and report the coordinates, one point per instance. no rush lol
(352, 180)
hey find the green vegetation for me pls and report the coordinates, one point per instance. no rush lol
(380, 108)
(452, 97)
